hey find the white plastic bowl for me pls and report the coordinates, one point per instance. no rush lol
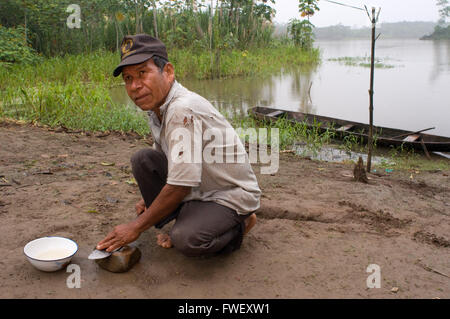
(50, 253)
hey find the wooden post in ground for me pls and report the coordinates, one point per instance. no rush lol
(374, 19)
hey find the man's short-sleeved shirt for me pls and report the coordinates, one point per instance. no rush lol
(204, 152)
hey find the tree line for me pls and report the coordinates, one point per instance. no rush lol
(180, 23)
(28, 27)
(442, 29)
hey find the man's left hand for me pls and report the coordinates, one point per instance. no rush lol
(120, 236)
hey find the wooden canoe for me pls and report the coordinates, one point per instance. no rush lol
(384, 136)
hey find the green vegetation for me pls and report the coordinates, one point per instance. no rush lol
(406, 159)
(313, 139)
(206, 25)
(252, 62)
(97, 67)
(362, 62)
(290, 132)
(57, 76)
(74, 106)
(14, 48)
(70, 86)
(73, 90)
(302, 30)
(440, 33)
(442, 30)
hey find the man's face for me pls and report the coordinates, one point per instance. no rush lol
(146, 85)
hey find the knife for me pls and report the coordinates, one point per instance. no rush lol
(100, 254)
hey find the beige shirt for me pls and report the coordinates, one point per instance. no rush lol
(203, 151)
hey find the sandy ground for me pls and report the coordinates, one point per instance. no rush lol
(317, 233)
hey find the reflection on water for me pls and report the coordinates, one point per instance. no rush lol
(287, 90)
(441, 59)
(411, 97)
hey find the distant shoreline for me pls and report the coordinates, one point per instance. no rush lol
(396, 30)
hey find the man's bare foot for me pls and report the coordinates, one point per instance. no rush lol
(249, 223)
(164, 241)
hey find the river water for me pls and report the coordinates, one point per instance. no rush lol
(412, 94)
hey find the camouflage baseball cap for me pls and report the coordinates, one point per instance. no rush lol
(139, 48)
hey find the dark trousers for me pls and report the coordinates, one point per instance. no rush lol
(201, 227)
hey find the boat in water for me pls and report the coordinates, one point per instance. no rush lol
(382, 135)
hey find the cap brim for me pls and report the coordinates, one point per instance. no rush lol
(132, 60)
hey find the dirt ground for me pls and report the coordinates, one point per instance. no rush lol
(317, 232)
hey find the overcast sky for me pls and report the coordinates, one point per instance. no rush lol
(332, 14)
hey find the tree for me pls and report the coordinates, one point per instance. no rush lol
(302, 30)
(441, 31)
(13, 49)
(444, 10)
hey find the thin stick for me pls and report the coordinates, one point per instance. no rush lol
(372, 71)
(378, 14)
(368, 14)
(425, 148)
(411, 133)
(23, 186)
(343, 4)
(427, 268)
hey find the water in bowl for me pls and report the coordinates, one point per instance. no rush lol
(54, 254)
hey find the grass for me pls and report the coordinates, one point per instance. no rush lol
(260, 61)
(397, 158)
(75, 106)
(289, 132)
(362, 62)
(96, 68)
(407, 159)
(73, 90)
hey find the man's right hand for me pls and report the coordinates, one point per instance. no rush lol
(140, 207)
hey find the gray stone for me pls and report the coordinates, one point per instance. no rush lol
(120, 261)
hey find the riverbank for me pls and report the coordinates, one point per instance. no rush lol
(74, 91)
(96, 68)
(440, 33)
(317, 233)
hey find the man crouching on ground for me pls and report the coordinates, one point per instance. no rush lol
(213, 202)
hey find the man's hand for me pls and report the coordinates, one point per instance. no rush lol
(140, 207)
(120, 236)
(166, 202)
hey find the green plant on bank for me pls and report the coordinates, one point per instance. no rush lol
(349, 142)
(14, 47)
(96, 68)
(442, 29)
(301, 31)
(74, 106)
(46, 92)
(402, 158)
(356, 142)
(290, 132)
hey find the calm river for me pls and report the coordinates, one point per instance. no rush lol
(413, 94)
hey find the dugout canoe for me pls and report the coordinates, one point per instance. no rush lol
(385, 136)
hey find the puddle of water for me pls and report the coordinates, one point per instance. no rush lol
(331, 154)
